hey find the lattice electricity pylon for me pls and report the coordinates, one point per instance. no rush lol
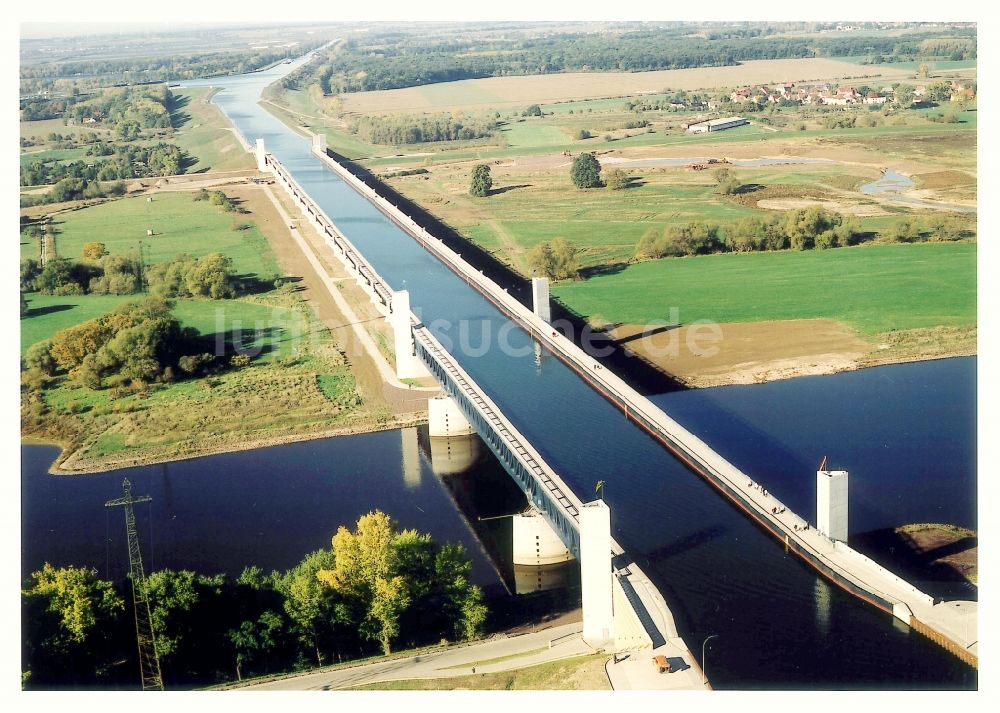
(149, 659)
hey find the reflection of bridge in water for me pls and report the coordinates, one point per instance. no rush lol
(584, 528)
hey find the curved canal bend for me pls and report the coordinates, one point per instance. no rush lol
(779, 624)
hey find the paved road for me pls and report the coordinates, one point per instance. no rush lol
(525, 648)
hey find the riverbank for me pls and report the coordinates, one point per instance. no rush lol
(313, 378)
(72, 463)
(943, 558)
(761, 352)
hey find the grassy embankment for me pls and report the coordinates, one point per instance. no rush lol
(202, 132)
(297, 383)
(578, 673)
(910, 301)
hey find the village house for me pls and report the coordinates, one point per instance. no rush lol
(741, 96)
(873, 98)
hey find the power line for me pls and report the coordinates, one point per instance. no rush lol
(149, 658)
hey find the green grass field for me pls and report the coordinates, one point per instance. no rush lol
(73, 154)
(180, 225)
(873, 288)
(204, 133)
(935, 65)
(273, 330)
(605, 224)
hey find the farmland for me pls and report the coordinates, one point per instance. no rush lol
(509, 92)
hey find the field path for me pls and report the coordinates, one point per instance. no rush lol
(510, 245)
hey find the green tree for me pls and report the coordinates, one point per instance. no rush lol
(482, 181)
(253, 637)
(39, 356)
(905, 230)
(557, 260)
(617, 179)
(728, 183)
(585, 171)
(94, 250)
(395, 583)
(308, 604)
(945, 228)
(68, 625)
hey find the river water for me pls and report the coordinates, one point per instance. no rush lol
(779, 625)
(267, 507)
(892, 186)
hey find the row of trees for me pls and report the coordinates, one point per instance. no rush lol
(391, 60)
(404, 129)
(801, 229)
(378, 587)
(126, 162)
(74, 189)
(99, 273)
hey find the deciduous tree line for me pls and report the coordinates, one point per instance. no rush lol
(377, 589)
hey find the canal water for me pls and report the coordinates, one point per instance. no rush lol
(779, 625)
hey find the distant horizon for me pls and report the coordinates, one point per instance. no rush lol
(53, 30)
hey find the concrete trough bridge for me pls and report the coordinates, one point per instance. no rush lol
(621, 606)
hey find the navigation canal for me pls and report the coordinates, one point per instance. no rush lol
(778, 624)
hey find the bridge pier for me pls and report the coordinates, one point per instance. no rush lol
(445, 418)
(259, 154)
(596, 574)
(540, 298)
(535, 542)
(451, 455)
(319, 143)
(831, 504)
(408, 365)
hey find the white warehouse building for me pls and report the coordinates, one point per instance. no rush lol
(717, 124)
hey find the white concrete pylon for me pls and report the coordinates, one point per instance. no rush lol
(540, 298)
(831, 503)
(595, 573)
(259, 153)
(319, 143)
(408, 366)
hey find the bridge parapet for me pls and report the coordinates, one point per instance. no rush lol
(549, 494)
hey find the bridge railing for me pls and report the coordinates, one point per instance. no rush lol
(381, 291)
(540, 483)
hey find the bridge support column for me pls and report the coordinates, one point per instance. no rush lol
(831, 503)
(540, 298)
(259, 153)
(445, 418)
(319, 143)
(595, 573)
(535, 542)
(408, 366)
